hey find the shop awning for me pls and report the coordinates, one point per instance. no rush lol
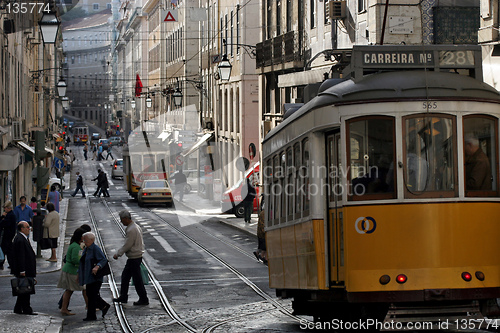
(198, 144)
(164, 135)
(9, 159)
(31, 150)
(26, 148)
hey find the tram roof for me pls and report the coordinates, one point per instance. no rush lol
(390, 86)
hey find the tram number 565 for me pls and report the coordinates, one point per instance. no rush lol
(429, 105)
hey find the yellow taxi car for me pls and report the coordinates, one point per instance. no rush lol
(156, 191)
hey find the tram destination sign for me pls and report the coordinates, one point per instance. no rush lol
(418, 58)
(366, 59)
(410, 58)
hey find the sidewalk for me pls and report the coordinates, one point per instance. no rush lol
(43, 323)
(201, 206)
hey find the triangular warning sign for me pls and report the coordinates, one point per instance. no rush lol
(170, 15)
(169, 18)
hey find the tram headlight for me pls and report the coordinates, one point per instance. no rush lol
(480, 276)
(401, 278)
(466, 276)
(384, 279)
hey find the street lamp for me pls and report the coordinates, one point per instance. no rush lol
(177, 97)
(65, 102)
(132, 103)
(49, 26)
(149, 102)
(224, 68)
(61, 87)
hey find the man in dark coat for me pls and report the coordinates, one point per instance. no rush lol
(24, 264)
(8, 231)
(100, 181)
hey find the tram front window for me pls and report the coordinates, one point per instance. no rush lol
(480, 155)
(429, 164)
(371, 146)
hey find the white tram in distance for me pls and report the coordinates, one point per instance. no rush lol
(382, 192)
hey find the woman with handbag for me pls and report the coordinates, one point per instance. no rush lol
(91, 261)
(69, 275)
(51, 230)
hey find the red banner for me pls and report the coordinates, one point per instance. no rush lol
(138, 86)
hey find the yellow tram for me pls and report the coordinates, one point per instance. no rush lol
(144, 159)
(382, 193)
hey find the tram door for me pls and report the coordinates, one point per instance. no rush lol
(335, 221)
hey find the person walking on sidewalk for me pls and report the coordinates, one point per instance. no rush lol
(249, 193)
(51, 229)
(109, 152)
(85, 150)
(91, 261)
(100, 179)
(8, 231)
(69, 273)
(79, 185)
(133, 249)
(23, 212)
(54, 197)
(23, 264)
(180, 182)
(261, 253)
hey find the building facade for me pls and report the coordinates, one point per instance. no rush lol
(87, 45)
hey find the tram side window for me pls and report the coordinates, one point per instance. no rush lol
(268, 202)
(429, 162)
(276, 189)
(305, 176)
(298, 181)
(283, 187)
(289, 188)
(371, 158)
(480, 133)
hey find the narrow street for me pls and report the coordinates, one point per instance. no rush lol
(204, 267)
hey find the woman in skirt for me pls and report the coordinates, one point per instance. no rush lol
(69, 275)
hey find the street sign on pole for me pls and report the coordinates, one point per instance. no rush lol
(179, 160)
(58, 163)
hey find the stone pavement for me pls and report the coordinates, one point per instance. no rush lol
(43, 323)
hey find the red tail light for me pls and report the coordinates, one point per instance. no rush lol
(116, 166)
(401, 278)
(466, 276)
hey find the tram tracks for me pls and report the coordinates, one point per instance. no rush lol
(240, 275)
(176, 319)
(154, 281)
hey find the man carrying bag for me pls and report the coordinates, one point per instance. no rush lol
(23, 265)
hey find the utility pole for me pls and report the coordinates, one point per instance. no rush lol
(42, 178)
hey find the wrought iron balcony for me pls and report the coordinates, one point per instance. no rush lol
(282, 49)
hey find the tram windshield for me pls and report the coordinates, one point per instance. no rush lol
(480, 155)
(371, 158)
(429, 147)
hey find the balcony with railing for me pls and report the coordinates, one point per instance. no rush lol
(280, 50)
